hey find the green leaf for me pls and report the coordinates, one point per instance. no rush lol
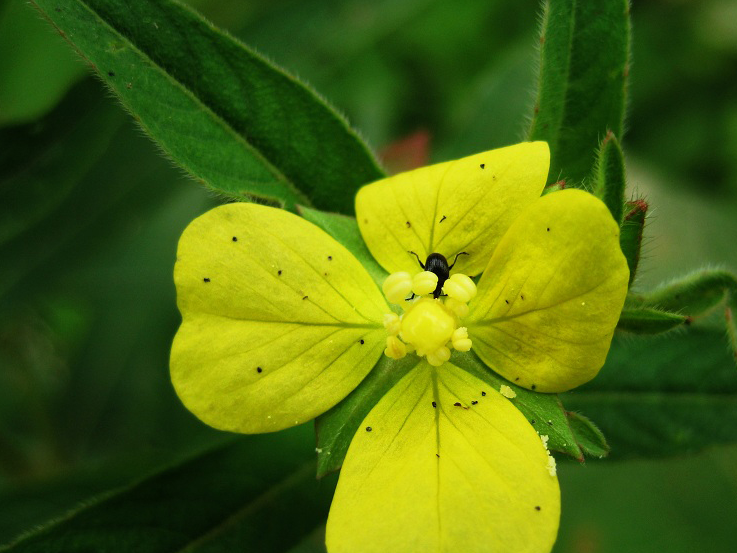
(609, 176)
(589, 438)
(646, 320)
(582, 85)
(663, 395)
(230, 118)
(335, 428)
(630, 234)
(241, 496)
(41, 162)
(544, 411)
(345, 230)
(694, 294)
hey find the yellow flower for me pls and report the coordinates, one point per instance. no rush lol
(281, 322)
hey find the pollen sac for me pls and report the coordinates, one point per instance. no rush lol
(460, 287)
(424, 283)
(460, 339)
(395, 348)
(397, 287)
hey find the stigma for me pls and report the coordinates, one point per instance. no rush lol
(430, 325)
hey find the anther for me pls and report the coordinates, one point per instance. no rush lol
(460, 287)
(397, 287)
(424, 283)
(395, 348)
(460, 339)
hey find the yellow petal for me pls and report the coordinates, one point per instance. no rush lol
(470, 478)
(280, 322)
(463, 205)
(551, 296)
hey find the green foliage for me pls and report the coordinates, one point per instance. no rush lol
(630, 234)
(91, 215)
(584, 51)
(646, 320)
(588, 436)
(664, 395)
(235, 497)
(242, 126)
(609, 176)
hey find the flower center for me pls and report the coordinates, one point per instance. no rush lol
(429, 327)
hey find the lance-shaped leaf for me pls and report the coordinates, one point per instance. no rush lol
(646, 320)
(226, 499)
(609, 176)
(630, 235)
(663, 395)
(582, 84)
(229, 117)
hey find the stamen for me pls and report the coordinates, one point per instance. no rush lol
(460, 339)
(430, 326)
(395, 348)
(460, 287)
(397, 287)
(424, 283)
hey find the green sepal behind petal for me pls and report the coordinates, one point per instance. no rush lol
(468, 474)
(280, 322)
(549, 301)
(464, 205)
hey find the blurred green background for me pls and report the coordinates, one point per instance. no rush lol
(91, 214)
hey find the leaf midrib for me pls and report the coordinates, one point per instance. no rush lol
(216, 117)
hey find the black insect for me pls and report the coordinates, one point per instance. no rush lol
(436, 263)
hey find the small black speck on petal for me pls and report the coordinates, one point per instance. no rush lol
(369, 429)
(483, 393)
(279, 272)
(521, 297)
(205, 279)
(506, 301)
(362, 341)
(330, 258)
(305, 297)
(443, 219)
(548, 229)
(533, 387)
(482, 165)
(409, 225)
(457, 404)
(434, 404)
(437, 455)
(537, 507)
(235, 239)
(474, 402)
(259, 369)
